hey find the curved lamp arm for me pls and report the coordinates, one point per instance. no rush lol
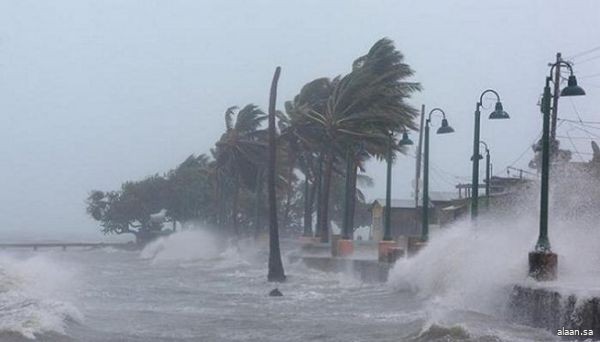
(484, 144)
(485, 92)
(436, 110)
(567, 64)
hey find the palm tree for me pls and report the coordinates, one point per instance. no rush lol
(238, 155)
(362, 107)
(275, 272)
(302, 135)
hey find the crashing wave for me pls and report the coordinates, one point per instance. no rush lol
(26, 310)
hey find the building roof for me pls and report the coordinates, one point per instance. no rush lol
(440, 196)
(398, 203)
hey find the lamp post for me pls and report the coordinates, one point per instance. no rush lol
(498, 113)
(488, 171)
(345, 245)
(542, 262)
(387, 240)
(387, 232)
(445, 128)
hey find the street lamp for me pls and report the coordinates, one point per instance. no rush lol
(387, 246)
(488, 168)
(498, 113)
(542, 262)
(444, 129)
(387, 235)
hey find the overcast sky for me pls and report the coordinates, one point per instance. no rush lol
(93, 93)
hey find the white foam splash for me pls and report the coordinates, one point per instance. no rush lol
(474, 267)
(27, 291)
(186, 245)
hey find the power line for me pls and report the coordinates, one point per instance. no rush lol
(575, 138)
(584, 52)
(588, 132)
(527, 149)
(590, 76)
(574, 147)
(587, 60)
(581, 122)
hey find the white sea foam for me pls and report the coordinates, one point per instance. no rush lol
(194, 247)
(186, 245)
(28, 291)
(470, 266)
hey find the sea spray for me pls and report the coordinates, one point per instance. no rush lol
(186, 245)
(474, 266)
(198, 245)
(467, 266)
(29, 289)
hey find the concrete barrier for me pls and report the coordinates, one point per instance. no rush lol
(553, 311)
(369, 271)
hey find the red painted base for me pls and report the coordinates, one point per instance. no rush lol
(414, 246)
(389, 251)
(543, 265)
(345, 248)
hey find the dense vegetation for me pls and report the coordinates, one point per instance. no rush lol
(325, 135)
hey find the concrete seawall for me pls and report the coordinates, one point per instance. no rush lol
(549, 309)
(369, 271)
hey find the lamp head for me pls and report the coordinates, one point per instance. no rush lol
(499, 112)
(445, 128)
(572, 89)
(405, 140)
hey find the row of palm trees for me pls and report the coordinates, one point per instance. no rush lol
(327, 132)
(310, 157)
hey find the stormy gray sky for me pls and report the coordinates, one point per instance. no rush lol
(93, 93)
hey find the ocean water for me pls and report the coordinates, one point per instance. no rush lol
(193, 287)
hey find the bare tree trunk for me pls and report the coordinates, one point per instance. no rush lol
(276, 272)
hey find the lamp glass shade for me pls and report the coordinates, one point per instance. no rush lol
(445, 128)
(405, 140)
(499, 112)
(572, 89)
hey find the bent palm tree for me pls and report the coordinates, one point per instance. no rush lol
(362, 107)
(238, 154)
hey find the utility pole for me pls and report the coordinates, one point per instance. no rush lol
(555, 95)
(418, 161)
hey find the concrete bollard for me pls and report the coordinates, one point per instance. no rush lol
(414, 245)
(389, 251)
(345, 248)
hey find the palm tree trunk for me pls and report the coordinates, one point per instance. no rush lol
(276, 272)
(259, 199)
(289, 189)
(327, 173)
(319, 191)
(234, 209)
(218, 201)
(346, 230)
(307, 207)
(352, 198)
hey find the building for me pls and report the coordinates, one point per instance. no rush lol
(406, 217)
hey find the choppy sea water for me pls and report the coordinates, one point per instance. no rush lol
(190, 288)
